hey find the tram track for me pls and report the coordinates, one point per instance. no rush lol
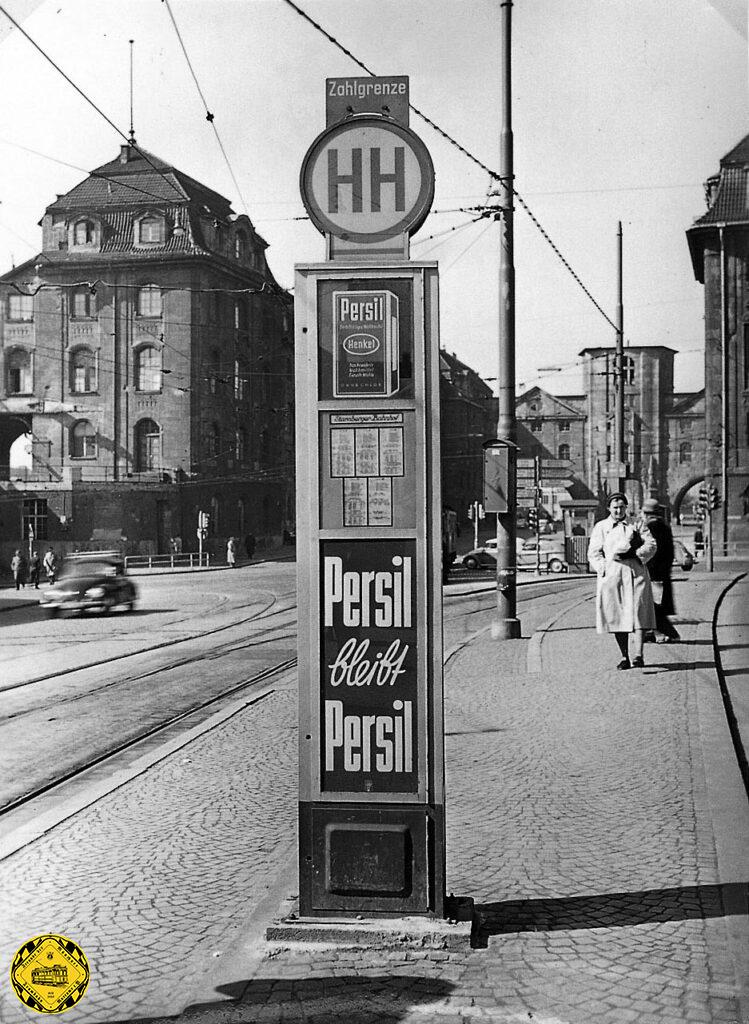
(264, 612)
(149, 734)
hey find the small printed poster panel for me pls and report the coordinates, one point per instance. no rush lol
(365, 338)
(367, 451)
(369, 707)
(355, 502)
(379, 501)
(391, 451)
(342, 452)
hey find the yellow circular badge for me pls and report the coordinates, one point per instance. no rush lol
(49, 973)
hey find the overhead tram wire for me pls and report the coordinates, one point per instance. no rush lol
(129, 141)
(208, 115)
(495, 176)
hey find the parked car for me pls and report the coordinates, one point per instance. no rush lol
(91, 582)
(683, 557)
(551, 555)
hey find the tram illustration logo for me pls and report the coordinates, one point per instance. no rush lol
(50, 973)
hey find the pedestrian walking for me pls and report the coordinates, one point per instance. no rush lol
(35, 568)
(231, 552)
(617, 553)
(659, 570)
(18, 568)
(699, 542)
(249, 543)
(50, 565)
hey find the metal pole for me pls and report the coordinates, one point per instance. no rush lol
(724, 438)
(507, 625)
(619, 365)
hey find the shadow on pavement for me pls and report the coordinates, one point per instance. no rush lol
(609, 910)
(324, 998)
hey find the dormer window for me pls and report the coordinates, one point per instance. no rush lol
(150, 230)
(84, 234)
(240, 245)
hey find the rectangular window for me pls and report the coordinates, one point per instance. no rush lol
(536, 426)
(82, 303)
(564, 425)
(20, 307)
(238, 382)
(746, 357)
(35, 518)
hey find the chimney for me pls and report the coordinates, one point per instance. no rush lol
(711, 189)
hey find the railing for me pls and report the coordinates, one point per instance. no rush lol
(186, 561)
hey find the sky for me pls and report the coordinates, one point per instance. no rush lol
(621, 110)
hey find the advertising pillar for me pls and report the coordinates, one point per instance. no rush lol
(371, 788)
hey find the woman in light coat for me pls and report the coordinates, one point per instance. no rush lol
(617, 553)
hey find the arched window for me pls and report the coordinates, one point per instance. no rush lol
(149, 300)
(564, 452)
(148, 369)
(18, 376)
(84, 232)
(685, 452)
(215, 510)
(240, 516)
(82, 440)
(147, 446)
(83, 303)
(83, 375)
(151, 230)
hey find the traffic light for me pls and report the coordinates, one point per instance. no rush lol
(204, 519)
(713, 497)
(471, 511)
(702, 502)
(533, 519)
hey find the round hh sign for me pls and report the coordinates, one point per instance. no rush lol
(367, 179)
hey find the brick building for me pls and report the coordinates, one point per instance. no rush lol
(719, 247)
(147, 369)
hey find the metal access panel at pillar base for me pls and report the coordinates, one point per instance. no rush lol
(374, 861)
(369, 563)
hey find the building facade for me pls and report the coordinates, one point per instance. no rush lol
(719, 247)
(147, 370)
(663, 431)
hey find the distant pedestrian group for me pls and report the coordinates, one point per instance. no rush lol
(29, 571)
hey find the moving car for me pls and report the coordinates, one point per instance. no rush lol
(95, 581)
(551, 555)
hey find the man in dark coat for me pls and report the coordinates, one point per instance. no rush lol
(659, 568)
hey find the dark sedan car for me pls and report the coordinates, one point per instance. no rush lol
(90, 583)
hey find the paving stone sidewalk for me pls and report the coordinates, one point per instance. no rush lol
(591, 815)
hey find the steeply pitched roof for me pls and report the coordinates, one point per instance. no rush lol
(729, 202)
(552, 404)
(137, 176)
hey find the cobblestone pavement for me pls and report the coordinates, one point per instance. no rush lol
(596, 817)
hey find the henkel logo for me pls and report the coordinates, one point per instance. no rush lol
(367, 179)
(369, 705)
(361, 344)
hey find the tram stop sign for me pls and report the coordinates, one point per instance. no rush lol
(366, 180)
